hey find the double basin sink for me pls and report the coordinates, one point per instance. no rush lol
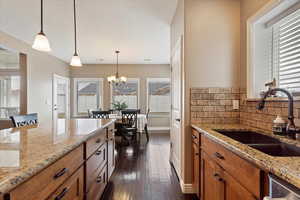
(263, 143)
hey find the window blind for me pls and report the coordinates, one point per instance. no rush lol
(286, 52)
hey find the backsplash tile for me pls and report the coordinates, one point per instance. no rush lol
(214, 106)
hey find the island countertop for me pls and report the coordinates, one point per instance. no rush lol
(287, 168)
(24, 152)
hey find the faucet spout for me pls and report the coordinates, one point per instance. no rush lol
(291, 124)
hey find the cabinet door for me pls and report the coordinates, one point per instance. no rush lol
(111, 156)
(234, 191)
(196, 164)
(72, 189)
(212, 186)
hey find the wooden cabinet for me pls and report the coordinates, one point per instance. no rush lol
(72, 189)
(47, 181)
(196, 162)
(234, 190)
(211, 185)
(217, 184)
(81, 174)
(110, 150)
(223, 174)
(98, 185)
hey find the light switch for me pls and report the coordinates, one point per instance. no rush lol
(236, 104)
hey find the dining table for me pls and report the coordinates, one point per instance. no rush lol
(141, 120)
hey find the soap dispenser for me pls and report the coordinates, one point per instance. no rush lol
(279, 126)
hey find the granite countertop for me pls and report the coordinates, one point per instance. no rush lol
(287, 168)
(26, 151)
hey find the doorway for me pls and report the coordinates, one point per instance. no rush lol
(61, 97)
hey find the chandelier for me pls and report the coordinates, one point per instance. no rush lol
(116, 79)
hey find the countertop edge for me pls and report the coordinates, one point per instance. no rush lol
(10, 184)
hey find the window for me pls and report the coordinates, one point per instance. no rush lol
(127, 93)
(88, 95)
(158, 91)
(9, 83)
(274, 48)
(286, 50)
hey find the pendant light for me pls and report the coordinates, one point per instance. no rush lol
(41, 42)
(75, 61)
(116, 79)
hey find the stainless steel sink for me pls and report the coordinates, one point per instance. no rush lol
(263, 143)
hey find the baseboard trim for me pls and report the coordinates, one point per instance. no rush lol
(187, 188)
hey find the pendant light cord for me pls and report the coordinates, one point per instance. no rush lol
(117, 52)
(42, 16)
(75, 27)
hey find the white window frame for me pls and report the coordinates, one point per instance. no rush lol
(271, 7)
(147, 91)
(75, 80)
(138, 94)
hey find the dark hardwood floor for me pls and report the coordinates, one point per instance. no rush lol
(143, 172)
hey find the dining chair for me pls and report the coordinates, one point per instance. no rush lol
(129, 124)
(24, 120)
(100, 114)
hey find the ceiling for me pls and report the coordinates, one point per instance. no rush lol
(140, 29)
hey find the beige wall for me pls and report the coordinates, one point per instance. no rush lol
(211, 53)
(40, 70)
(248, 8)
(141, 71)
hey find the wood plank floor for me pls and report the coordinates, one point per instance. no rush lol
(143, 172)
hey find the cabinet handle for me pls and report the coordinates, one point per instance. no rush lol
(62, 194)
(217, 176)
(98, 152)
(60, 173)
(218, 155)
(98, 140)
(99, 179)
(197, 154)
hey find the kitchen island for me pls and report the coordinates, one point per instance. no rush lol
(52, 160)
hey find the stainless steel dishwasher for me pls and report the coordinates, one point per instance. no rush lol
(281, 190)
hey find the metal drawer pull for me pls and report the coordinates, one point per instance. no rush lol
(98, 140)
(217, 176)
(99, 179)
(62, 194)
(98, 152)
(60, 173)
(218, 155)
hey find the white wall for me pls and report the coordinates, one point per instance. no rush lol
(40, 69)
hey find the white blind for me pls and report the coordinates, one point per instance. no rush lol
(286, 52)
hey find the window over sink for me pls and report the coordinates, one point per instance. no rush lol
(274, 47)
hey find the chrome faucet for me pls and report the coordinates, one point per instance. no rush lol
(291, 129)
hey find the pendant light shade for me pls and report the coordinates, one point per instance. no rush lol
(75, 61)
(41, 42)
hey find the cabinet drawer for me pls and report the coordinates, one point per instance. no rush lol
(72, 189)
(195, 136)
(97, 160)
(98, 185)
(247, 174)
(48, 180)
(95, 142)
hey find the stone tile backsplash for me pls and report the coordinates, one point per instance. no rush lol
(214, 105)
